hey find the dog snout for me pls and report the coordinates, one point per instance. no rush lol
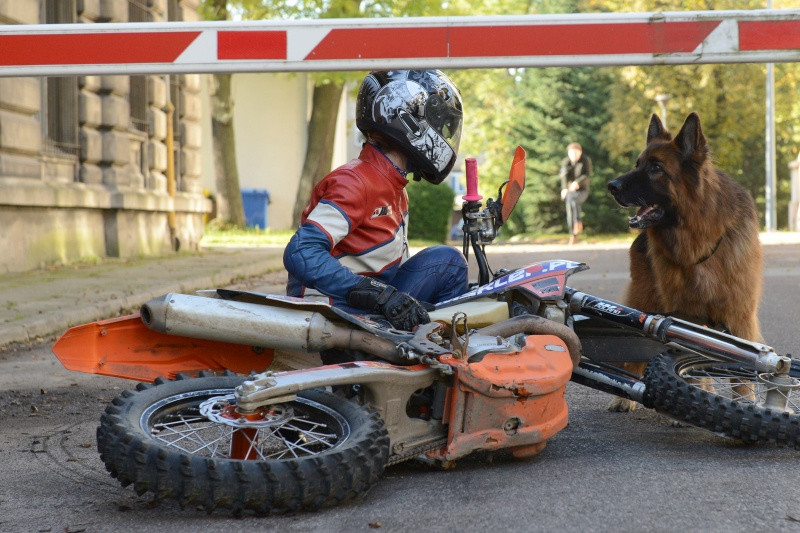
(615, 186)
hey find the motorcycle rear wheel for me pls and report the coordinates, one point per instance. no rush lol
(183, 440)
(726, 398)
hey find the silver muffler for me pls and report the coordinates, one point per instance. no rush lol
(257, 325)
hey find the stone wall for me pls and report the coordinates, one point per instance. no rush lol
(105, 193)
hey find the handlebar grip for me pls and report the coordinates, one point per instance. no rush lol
(472, 180)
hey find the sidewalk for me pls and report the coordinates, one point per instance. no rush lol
(42, 303)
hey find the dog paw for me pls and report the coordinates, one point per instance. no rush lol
(621, 405)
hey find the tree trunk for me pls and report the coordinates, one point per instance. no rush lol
(229, 197)
(319, 151)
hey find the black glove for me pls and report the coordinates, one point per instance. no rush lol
(400, 308)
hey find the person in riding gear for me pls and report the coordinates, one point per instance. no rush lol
(351, 248)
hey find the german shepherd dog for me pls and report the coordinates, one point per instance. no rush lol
(698, 254)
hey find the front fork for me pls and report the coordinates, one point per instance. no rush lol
(681, 334)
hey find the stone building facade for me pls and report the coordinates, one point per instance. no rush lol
(83, 160)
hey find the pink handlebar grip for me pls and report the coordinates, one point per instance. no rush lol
(472, 180)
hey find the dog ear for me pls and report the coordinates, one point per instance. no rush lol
(690, 139)
(656, 130)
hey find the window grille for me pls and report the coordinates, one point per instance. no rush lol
(138, 97)
(60, 123)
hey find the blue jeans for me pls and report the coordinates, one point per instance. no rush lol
(432, 275)
(574, 201)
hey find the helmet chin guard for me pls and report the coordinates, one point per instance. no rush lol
(420, 110)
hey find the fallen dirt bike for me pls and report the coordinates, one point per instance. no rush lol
(488, 373)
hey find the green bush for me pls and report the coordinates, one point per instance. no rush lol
(429, 210)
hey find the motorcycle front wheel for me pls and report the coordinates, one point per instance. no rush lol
(184, 440)
(727, 398)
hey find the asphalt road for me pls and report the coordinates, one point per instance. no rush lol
(605, 472)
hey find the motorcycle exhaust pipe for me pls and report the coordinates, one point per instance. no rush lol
(258, 325)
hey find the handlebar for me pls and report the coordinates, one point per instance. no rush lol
(481, 225)
(472, 180)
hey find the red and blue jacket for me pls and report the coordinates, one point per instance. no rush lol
(355, 225)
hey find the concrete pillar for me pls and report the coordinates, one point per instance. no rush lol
(794, 202)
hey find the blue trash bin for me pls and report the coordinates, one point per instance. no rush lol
(255, 202)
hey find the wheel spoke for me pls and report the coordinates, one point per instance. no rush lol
(156, 438)
(253, 446)
(208, 430)
(736, 383)
(196, 435)
(293, 445)
(322, 438)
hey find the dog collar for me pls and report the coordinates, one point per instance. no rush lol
(711, 252)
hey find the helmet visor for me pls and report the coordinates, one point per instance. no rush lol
(445, 119)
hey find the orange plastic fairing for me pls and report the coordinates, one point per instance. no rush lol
(516, 183)
(125, 348)
(508, 400)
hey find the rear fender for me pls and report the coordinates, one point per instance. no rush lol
(125, 348)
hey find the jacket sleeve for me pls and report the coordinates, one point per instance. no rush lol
(586, 172)
(343, 199)
(308, 257)
(562, 173)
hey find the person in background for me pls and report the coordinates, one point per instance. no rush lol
(575, 173)
(351, 248)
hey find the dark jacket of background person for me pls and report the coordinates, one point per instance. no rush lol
(580, 172)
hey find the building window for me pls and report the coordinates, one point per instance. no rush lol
(138, 12)
(175, 81)
(61, 93)
(176, 85)
(174, 10)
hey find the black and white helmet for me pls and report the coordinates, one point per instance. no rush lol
(420, 110)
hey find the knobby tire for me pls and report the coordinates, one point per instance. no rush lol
(708, 394)
(196, 470)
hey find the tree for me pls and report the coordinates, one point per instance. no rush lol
(327, 95)
(490, 111)
(322, 126)
(730, 100)
(605, 109)
(319, 149)
(541, 109)
(559, 106)
(229, 196)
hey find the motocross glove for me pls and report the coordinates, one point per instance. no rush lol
(400, 308)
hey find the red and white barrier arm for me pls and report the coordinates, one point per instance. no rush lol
(431, 42)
